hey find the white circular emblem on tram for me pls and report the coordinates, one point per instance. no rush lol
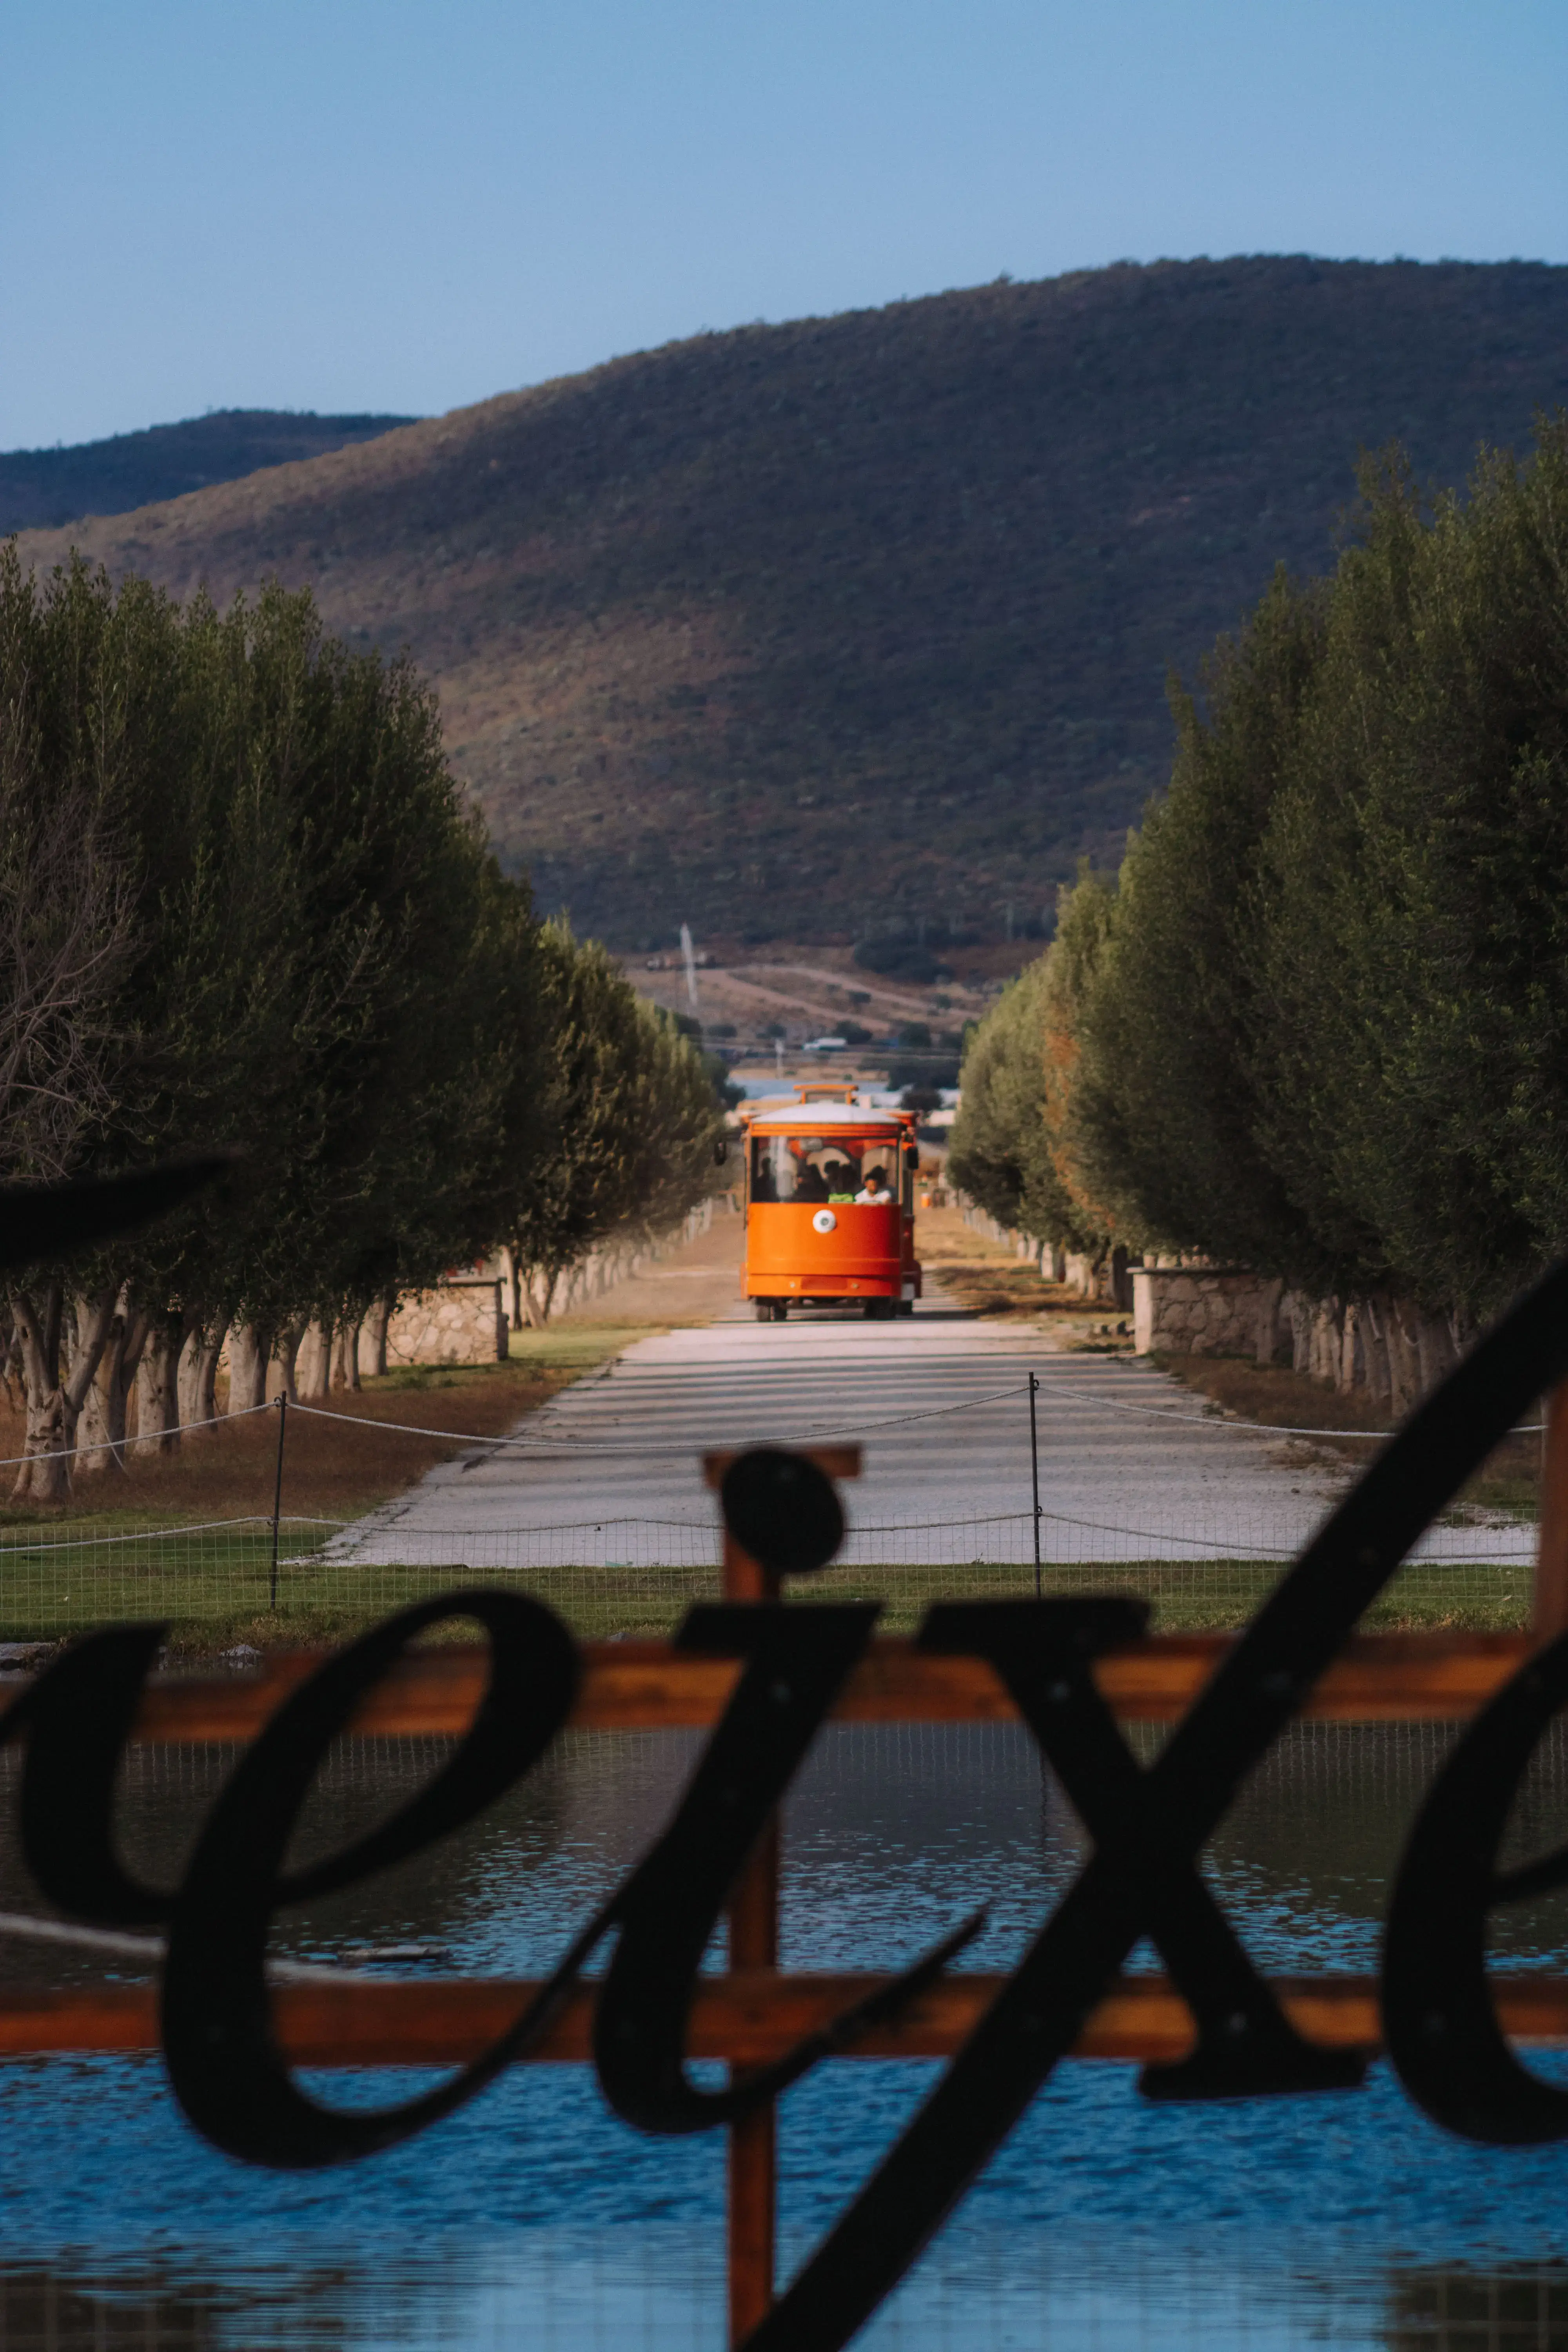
(824, 1222)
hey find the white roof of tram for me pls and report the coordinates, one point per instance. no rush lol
(821, 1118)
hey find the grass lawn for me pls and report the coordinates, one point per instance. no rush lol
(1198, 1597)
(214, 1605)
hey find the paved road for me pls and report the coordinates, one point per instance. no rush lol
(609, 1471)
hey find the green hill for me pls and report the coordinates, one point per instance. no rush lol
(858, 624)
(43, 487)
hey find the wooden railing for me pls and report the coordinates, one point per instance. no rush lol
(635, 1686)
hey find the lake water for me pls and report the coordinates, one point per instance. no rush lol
(534, 2219)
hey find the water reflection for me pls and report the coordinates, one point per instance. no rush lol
(534, 2218)
(566, 2295)
(555, 2297)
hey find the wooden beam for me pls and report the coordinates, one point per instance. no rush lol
(747, 2019)
(646, 1685)
(832, 1461)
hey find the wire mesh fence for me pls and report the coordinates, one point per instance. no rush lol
(637, 1575)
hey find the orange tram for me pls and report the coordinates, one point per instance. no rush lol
(830, 1205)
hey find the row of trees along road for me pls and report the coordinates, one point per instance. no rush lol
(242, 903)
(1318, 1025)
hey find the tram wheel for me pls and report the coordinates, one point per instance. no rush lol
(879, 1310)
(903, 1305)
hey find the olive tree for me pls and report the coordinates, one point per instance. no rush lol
(629, 1121)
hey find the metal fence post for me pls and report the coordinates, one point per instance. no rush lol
(277, 1490)
(1035, 1477)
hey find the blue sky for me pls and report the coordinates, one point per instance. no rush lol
(347, 205)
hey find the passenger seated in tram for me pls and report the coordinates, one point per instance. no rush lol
(840, 1176)
(811, 1185)
(875, 1189)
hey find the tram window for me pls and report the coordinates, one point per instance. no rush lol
(815, 1168)
(764, 1172)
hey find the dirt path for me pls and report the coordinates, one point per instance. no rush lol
(694, 1285)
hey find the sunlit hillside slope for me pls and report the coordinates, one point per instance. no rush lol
(858, 623)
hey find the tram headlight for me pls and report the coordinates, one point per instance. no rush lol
(824, 1222)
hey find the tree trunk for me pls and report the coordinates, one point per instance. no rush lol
(280, 1364)
(514, 1281)
(345, 1357)
(43, 1476)
(1081, 1274)
(1297, 1310)
(95, 1320)
(54, 1405)
(157, 1388)
(1435, 1350)
(538, 1295)
(1374, 1350)
(313, 1364)
(1326, 1341)
(372, 1343)
(96, 1359)
(1403, 1360)
(199, 1375)
(104, 1406)
(187, 1378)
(100, 1433)
(248, 1348)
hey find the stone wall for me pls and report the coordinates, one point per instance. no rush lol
(1386, 1347)
(1204, 1311)
(458, 1322)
